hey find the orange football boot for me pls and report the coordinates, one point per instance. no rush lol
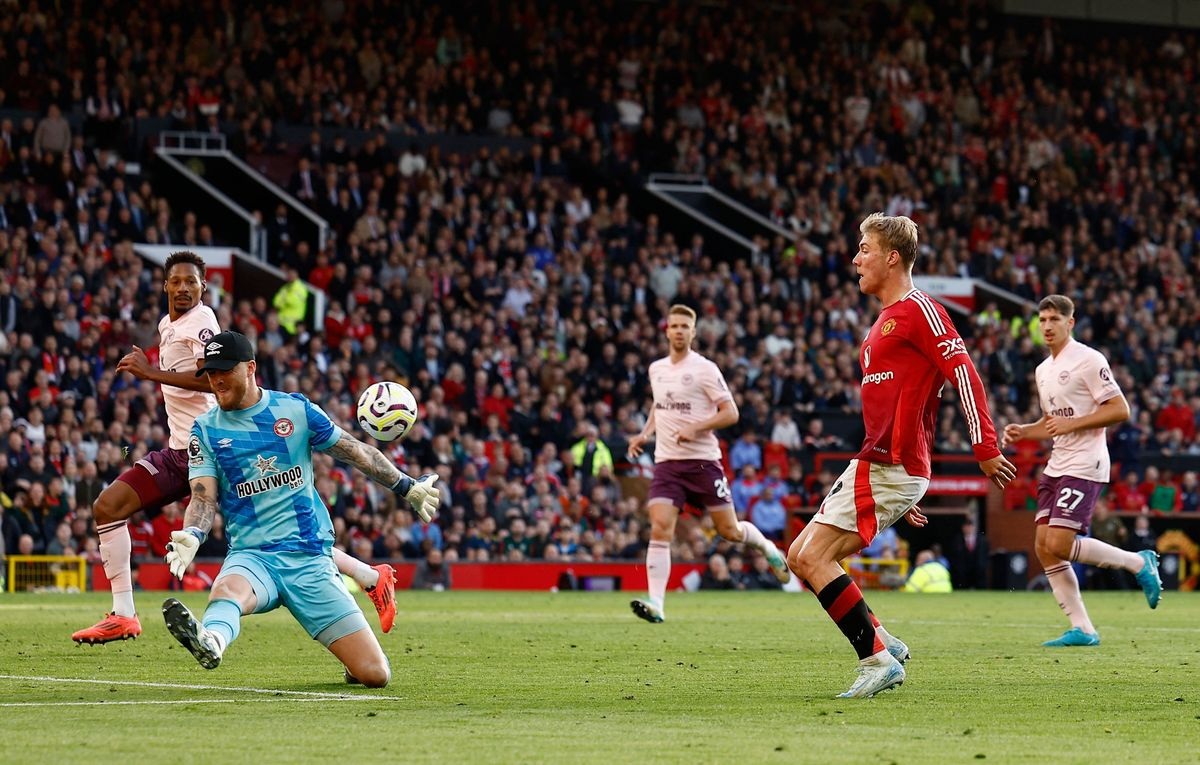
(111, 627)
(383, 595)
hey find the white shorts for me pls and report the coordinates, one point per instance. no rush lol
(869, 496)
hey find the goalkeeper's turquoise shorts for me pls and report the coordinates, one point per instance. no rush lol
(309, 585)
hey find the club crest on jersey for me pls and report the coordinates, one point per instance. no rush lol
(206, 334)
(1063, 377)
(284, 427)
(888, 327)
(688, 379)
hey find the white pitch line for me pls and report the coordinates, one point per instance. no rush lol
(1027, 626)
(165, 702)
(187, 687)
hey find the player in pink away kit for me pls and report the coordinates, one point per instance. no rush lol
(1079, 400)
(909, 354)
(691, 400)
(160, 477)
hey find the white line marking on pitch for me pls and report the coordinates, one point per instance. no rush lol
(187, 687)
(1024, 626)
(165, 702)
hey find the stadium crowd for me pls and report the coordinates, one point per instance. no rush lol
(521, 294)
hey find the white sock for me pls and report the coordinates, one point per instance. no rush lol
(115, 549)
(658, 571)
(1103, 555)
(360, 572)
(1066, 592)
(217, 638)
(753, 537)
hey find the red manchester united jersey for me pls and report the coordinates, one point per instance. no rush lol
(910, 352)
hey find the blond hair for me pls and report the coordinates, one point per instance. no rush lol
(680, 308)
(895, 232)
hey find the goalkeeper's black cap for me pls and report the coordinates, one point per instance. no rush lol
(224, 351)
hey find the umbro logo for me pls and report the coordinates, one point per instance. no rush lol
(212, 348)
(225, 443)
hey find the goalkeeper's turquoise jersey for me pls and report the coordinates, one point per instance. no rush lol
(262, 460)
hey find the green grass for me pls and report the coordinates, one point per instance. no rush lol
(574, 677)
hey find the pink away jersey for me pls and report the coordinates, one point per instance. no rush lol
(684, 394)
(180, 343)
(1074, 384)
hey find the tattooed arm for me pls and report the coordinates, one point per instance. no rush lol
(369, 460)
(420, 493)
(203, 508)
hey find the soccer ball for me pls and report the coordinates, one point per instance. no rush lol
(386, 410)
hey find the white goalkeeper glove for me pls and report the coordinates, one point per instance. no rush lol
(181, 550)
(420, 493)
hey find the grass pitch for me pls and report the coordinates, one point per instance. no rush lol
(486, 677)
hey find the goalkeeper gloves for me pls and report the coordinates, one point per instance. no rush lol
(181, 550)
(420, 493)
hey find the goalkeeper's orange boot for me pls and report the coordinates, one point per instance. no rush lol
(383, 595)
(111, 627)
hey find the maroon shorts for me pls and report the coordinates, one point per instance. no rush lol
(159, 478)
(700, 483)
(1067, 501)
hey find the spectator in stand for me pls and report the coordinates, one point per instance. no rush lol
(786, 432)
(769, 514)
(53, 133)
(746, 489)
(746, 452)
(1177, 415)
(1162, 493)
(928, 575)
(1128, 496)
(1143, 537)
(969, 557)
(717, 576)
(1189, 491)
(433, 573)
(291, 302)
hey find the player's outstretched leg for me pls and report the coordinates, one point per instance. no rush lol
(1143, 565)
(204, 644)
(1149, 579)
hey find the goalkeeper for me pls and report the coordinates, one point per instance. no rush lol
(251, 456)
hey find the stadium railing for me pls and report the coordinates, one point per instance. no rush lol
(47, 573)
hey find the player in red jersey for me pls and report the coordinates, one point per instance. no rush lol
(909, 354)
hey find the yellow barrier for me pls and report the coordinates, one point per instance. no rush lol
(877, 573)
(47, 573)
